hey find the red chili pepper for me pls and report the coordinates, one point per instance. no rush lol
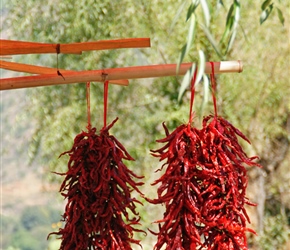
(203, 186)
(98, 188)
(179, 189)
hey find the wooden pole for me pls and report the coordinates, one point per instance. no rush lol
(11, 47)
(135, 72)
(28, 68)
(32, 69)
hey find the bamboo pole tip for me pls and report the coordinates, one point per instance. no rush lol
(240, 66)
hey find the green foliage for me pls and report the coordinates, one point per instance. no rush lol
(54, 245)
(266, 11)
(8, 226)
(23, 240)
(275, 234)
(232, 22)
(267, 8)
(35, 216)
(186, 48)
(12, 248)
(29, 231)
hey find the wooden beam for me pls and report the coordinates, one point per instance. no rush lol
(32, 69)
(135, 72)
(11, 47)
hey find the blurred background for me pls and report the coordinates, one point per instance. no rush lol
(38, 124)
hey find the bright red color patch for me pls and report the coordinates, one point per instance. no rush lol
(203, 188)
(98, 188)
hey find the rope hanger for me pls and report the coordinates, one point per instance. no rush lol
(48, 76)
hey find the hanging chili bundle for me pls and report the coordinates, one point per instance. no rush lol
(179, 187)
(224, 194)
(223, 211)
(204, 185)
(100, 212)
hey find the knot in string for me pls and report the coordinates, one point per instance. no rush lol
(57, 48)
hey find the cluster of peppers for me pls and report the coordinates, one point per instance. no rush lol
(100, 213)
(203, 189)
(203, 186)
(98, 188)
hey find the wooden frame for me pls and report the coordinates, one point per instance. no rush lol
(52, 76)
(135, 72)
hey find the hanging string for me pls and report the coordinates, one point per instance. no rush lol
(192, 96)
(213, 82)
(88, 85)
(106, 86)
(57, 52)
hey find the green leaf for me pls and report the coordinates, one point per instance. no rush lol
(190, 37)
(237, 4)
(265, 4)
(265, 13)
(190, 33)
(201, 66)
(228, 28)
(280, 15)
(192, 9)
(234, 28)
(231, 41)
(206, 12)
(177, 15)
(230, 14)
(189, 74)
(186, 81)
(229, 23)
(211, 40)
(181, 56)
(222, 3)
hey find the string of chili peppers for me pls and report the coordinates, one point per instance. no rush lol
(100, 212)
(224, 212)
(204, 185)
(179, 187)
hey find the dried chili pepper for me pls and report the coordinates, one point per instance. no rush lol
(100, 212)
(204, 185)
(179, 188)
(223, 213)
